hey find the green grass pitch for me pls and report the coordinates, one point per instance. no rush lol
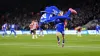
(24, 45)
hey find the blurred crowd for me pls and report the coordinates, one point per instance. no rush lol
(87, 12)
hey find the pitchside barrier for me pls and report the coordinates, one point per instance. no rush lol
(53, 32)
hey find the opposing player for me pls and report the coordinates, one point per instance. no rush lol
(4, 28)
(33, 27)
(12, 29)
(97, 28)
(78, 31)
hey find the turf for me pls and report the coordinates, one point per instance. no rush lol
(24, 45)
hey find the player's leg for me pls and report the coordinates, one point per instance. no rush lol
(42, 33)
(63, 40)
(68, 13)
(42, 28)
(39, 30)
(97, 32)
(14, 33)
(3, 33)
(47, 30)
(58, 29)
(35, 33)
(32, 31)
(63, 37)
(80, 33)
(58, 39)
(76, 32)
(11, 32)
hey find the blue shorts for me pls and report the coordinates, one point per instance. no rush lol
(60, 28)
(13, 30)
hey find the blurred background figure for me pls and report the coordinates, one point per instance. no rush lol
(33, 27)
(4, 29)
(12, 29)
(78, 31)
(97, 28)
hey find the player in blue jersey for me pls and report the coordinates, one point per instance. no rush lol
(97, 29)
(59, 21)
(12, 29)
(60, 25)
(4, 28)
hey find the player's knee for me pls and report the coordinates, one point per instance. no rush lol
(57, 34)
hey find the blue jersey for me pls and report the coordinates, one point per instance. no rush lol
(59, 21)
(52, 10)
(65, 16)
(97, 27)
(55, 10)
(4, 27)
(49, 13)
(12, 27)
(48, 10)
(45, 17)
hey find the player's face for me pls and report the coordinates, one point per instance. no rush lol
(32, 21)
(60, 14)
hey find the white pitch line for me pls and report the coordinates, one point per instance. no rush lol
(32, 45)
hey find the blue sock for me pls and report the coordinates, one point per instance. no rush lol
(11, 32)
(42, 33)
(15, 33)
